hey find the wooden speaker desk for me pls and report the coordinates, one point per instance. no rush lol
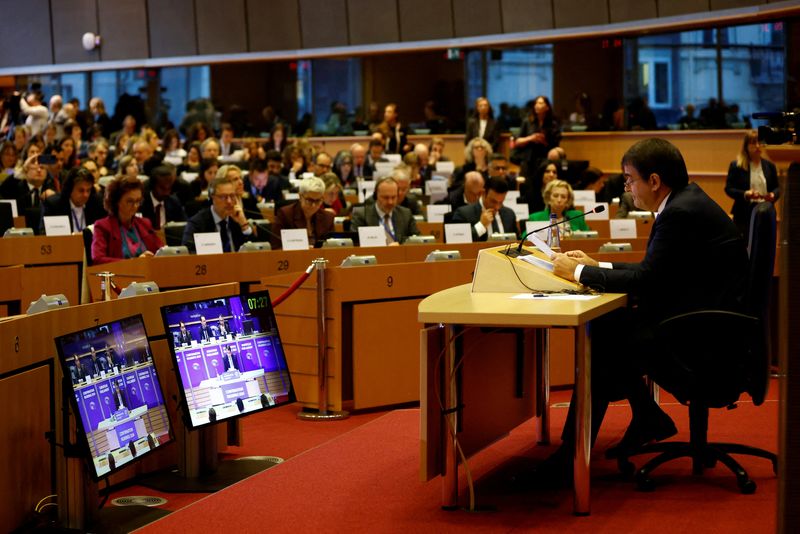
(484, 412)
(52, 265)
(30, 382)
(373, 357)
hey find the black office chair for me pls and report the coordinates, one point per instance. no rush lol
(722, 355)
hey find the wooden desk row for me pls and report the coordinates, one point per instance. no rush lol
(30, 385)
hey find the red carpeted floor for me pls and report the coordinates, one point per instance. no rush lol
(365, 479)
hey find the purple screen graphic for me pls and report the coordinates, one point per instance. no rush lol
(228, 356)
(116, 393)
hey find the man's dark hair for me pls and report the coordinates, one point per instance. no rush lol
(658, 156)
(497, 156)
(273, 155)
(259, 165)
(165, 170)
(375, 142)
(76, 174)
(498, 185)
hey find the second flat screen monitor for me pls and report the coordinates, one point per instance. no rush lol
(228, 357)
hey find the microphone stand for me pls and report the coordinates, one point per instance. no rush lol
(516, 252)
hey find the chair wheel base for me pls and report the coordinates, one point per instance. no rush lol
(747, 486)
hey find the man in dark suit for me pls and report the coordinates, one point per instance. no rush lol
(205, 331)
(468, 193)
(398, 222)
(361, 167)
(229, 360)
(222, 326)
(695, 260)
(158, 203)
(184, 336)
(77, 200)
(226, 145)
(97, 363)
(76, 371)
(225, 215)
(488, 215)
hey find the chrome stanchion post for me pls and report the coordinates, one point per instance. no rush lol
(322, 353)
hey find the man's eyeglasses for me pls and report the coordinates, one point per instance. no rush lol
(232, 197)
(629, 183)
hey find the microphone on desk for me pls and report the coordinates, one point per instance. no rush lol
(514, 252)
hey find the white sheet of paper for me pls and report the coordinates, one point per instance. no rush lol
(585, 197)
(520, 210)
(554, 296)
(457, 233)
(208, 243)
(294, 239)
(371, 236)
(596, 216)
(533, 260)
(436, 189)
(445, 166)
(436, 212)
(533, 228)
(393, 158)
(365, 189)
(541, 245)
(511, 198)
(57, 225)
(13, 203)
(622, 228)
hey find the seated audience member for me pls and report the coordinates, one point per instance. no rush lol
(128, 167)
(191, 163)
(142, 152)
(532, 190)
(423, 161)
(294, 162)
(225, 215)
(160, 205)
(198, 188)
(171, 146)
(498, 168)
(91, 166)
(98, 152)
(30, 192)
(209, 148)
(361, 166)
(558, 199)
(606, 188)
(265, 182)
(277, 138)
(625, 205)
(751, 179)
(397, 222)
(343, 168)
(689, 225)
(406, 199)
(226, 145)
(306, 213)
(482, 124)
(469, 192)
(333, 199)
(476, 158)
(122, 235)
(9, 157)
(77, 200)
(488, 215)
(321, 163)
(375, 154)
(436, 151)
(246, 200)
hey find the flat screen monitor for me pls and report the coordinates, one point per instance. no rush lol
(228, 357)
(115, 392)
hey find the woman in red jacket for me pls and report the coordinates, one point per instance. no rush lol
(122, 234)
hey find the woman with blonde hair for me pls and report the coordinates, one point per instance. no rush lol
(558, 199)
(476, 158)
(751, 179)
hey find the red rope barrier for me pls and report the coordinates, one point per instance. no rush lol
(292, 288)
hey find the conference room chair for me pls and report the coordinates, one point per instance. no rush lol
(722, 356)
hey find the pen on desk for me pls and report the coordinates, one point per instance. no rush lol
(538, 295)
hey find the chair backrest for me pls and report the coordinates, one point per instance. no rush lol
(173, 233)
(761, 248)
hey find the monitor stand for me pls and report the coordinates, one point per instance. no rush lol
(200, 469)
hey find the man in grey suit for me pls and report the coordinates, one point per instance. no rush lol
(397, 222)
(488, 215)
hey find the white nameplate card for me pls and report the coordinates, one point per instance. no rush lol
(291, 196)
(436, 212)
(602, 216)
(622, 228)
(446, 167)
(371, 236)
(585, 197)
(511, 197)
(436, 189)
(13, 203)
(457, 233)
(384, 167)
(208, 243)
(294, 239)
(365, 190)
(520, 210)
(394, 159)
(57, 225)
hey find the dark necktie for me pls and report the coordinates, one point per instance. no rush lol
(35, 198)
(159, 211)
(223, 233)
(386, 227)
(495, 226)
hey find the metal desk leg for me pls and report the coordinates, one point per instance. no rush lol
(583, 419)
(542, 348)
(450, 396)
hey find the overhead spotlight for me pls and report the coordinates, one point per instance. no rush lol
(90, 41)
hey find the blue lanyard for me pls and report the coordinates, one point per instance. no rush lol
(388, 231)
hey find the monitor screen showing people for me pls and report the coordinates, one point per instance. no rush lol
(116, 392)
(228, 356)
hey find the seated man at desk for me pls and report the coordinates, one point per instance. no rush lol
(488, 215)
(695, 260)
(77, 200)
(76, 371)
(222, 327)
(96, 363)
(225, 215)
(205, 330)
(184, 336)
(398, 222)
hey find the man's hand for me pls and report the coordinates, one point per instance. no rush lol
(581, 257)
(238, 215)
(564, 264)
(487, 216)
